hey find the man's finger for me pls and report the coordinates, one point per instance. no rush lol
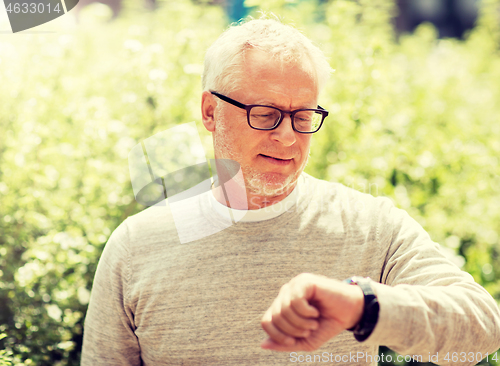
(304, 309)
(274, 333)
(274, 346)
(290, 314)
(283, 324)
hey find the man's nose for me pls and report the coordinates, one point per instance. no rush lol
(285, 133)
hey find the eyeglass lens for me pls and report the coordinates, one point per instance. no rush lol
(268, 117)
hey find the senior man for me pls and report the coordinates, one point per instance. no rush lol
(159, 301)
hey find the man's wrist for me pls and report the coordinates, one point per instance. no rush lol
(357, 305)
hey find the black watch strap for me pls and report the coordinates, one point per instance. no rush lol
(365, 327)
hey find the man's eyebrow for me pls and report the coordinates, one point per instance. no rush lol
(271, 104)
(266, 102)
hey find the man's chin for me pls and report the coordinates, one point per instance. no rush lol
(270, 186)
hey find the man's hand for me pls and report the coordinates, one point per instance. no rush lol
(310, 310)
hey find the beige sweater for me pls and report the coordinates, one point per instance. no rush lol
(157, 301)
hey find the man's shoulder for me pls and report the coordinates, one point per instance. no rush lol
(154, 221)
(364, 195)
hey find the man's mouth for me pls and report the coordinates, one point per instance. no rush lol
(281, 161)
(276, 158)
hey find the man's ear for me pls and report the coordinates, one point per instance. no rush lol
(208, 105)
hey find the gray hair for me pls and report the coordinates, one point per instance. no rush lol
(224, 60)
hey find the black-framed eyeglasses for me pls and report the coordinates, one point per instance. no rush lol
(265, 118)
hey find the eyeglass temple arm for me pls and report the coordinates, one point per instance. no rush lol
(323, 109)
(229, 100)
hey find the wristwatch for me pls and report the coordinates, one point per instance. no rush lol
(365, 327)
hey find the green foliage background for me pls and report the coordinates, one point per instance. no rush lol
(413, 118)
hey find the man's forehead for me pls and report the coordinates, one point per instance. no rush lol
(255, 59)
(261, 71)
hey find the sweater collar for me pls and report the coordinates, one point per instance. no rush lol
(262, 214)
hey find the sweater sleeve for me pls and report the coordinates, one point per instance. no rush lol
(109, 337)
(428, 306)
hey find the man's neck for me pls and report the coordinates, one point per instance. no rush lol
(234, 196)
